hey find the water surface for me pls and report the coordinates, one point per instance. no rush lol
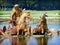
(55, 40)
(50, 26)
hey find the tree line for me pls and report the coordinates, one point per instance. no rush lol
(31, 4)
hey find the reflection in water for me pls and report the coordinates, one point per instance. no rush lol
(24, 41)
(31, 41)
(6, 42)
(18, 41)
(55, 40)
(42, 40)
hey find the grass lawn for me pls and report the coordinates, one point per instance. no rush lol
(33, 13)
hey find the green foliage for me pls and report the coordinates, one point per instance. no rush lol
(0, 2)
(32, 4)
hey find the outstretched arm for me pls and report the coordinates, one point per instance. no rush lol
(12, 15)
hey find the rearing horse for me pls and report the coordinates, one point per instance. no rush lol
(22, 22)
(41, 26)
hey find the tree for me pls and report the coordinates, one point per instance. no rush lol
(0, 3)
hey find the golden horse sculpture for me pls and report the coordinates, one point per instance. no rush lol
(22, 23)
(41, 26)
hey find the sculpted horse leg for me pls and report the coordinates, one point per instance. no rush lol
(20, 28)
(28, 31)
